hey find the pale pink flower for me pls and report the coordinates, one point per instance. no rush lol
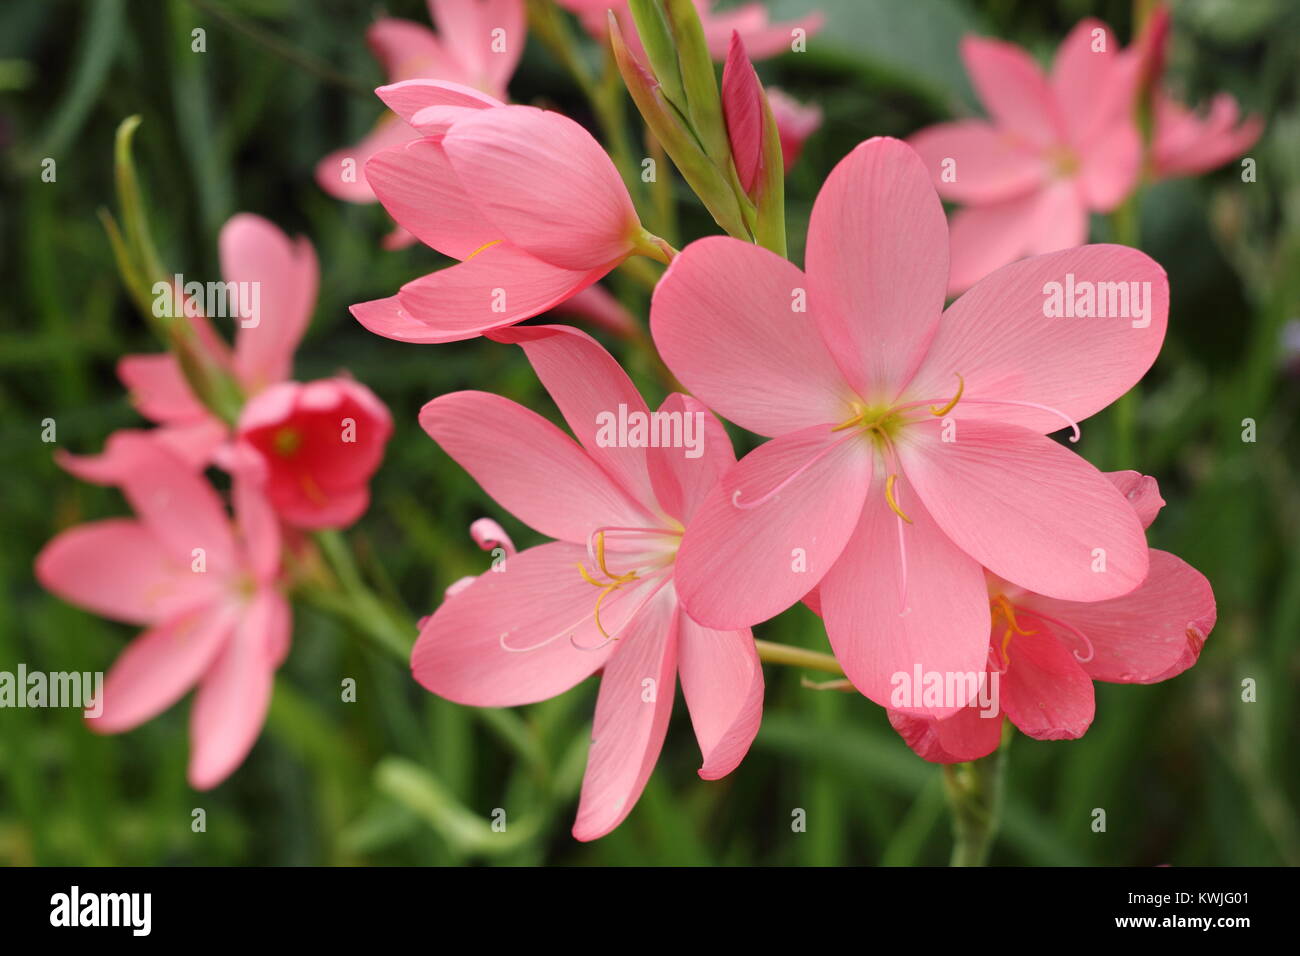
(1183, 142)
(1046, 653)
(205, 591)
(910, 447)
(601, 596)
(252, 250)
(795, 122)
(319, 443)
(763, 39)
(1054, 149)
(525, 198)
(478, 44)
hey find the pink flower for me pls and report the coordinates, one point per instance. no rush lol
(601, 596)
(489, 536)
(206, 592)
(320, 443)
(525, 198)
(909, 449)
(253, 251)
(1054, 149)
(1184, 143)
(478, 45)
(763, 39)
(795, 122)
(1046, 653)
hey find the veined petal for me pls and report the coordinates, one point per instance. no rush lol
(799, 497)
(529, 466)
(905, 600)
(877, 263)
(1027, 509)
(632, 711)
(731, 320)
(1006, 341)
(972, 161)
(722, 681)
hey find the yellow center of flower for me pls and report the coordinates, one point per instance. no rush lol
(1003, 608)
(286, 442)
(1064, 162)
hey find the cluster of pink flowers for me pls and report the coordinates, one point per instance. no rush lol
(908, 490)
(300, 456)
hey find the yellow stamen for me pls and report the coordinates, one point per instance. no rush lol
(1009, 613)
(313, 490)
(889, 498)
(616, 581)
(484, 247)
(1006, 649)
(944, 410)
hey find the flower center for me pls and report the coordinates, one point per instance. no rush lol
(1063, 161)
(286, 442)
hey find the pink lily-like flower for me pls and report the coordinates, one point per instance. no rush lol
(285, 271)
(909, 447)
(763, 39)
(478, 45)
(1054, 149)
(1184, 143)
(1046, 653)
(320, 443)
(795, 122)
(525, 198)
(602, 595)
(205, 590)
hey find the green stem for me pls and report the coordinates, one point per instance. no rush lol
(775, 653)
(975, 795)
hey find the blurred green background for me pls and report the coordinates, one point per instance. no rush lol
(1187, 772)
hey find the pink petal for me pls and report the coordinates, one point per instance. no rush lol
(386, 317)
(881, 629)
(406, 98)
(973, 161)
(253, 250)
(1060, 219)
(1045, 692)
(722, 681)
(1091, 86)
(545, 184)
(500, 286)
(998, 339)
(177, 505)
(1150, 634)
(419, 188)
(723, 318)
(738, 566)
(1110, 165)
(966, 735)
(158, 388)
(1013, 90)
(1141, 491)
(743, 109)
(632, 711)
(342, 173)
(985, 238)
(407, 49)
(468, 32)
(529, 466)
(259, 529)
(1027, 509)
(194, 443)
(118, 569)
(159, 666)
(877, 261)
(682, 482)
(230, 707)
(535, 603)
(598, 308)
(587, 384)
